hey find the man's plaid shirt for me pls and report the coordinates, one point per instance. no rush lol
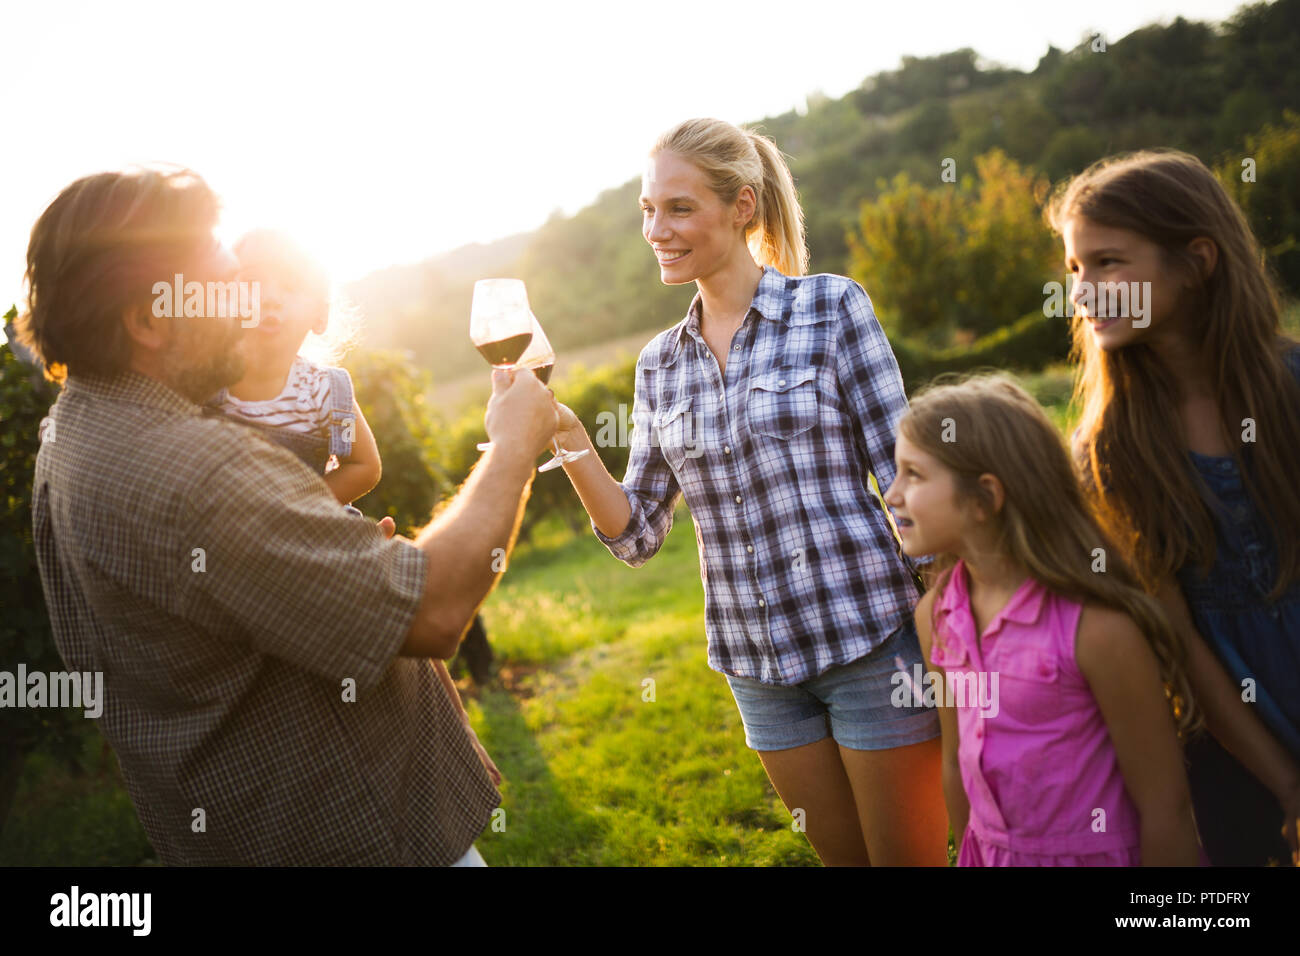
(801, 569)
(226, 596)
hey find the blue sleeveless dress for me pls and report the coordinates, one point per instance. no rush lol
(1253, 638)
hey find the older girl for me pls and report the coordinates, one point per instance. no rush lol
(1190, 443)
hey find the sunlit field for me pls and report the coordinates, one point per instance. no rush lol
(594, 773)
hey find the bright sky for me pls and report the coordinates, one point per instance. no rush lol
(384, 132)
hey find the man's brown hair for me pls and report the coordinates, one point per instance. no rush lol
(97, 251)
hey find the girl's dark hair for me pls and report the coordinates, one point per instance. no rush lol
(1130, 448)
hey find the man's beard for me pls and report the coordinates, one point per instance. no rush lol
(202, 358)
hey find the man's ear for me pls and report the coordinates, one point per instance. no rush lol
(995, 496)
(149, 333)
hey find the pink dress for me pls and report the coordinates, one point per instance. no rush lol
(1037, 762)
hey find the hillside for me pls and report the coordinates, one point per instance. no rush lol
(1197, 86)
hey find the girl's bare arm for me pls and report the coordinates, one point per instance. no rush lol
(596, 487)
(954, 793)
(1124, 676)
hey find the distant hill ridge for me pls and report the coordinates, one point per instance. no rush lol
(1197, 86)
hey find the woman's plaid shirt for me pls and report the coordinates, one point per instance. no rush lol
(801, 569)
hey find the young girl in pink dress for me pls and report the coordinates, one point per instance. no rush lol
(1053, 671)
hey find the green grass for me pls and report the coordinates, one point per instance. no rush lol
(1052, 387)
(595, 773)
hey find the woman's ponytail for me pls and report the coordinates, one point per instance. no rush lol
(779, 238)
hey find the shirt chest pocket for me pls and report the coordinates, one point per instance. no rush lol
(783, 402)
(674, 432)
(1034, 668)
(949, 654)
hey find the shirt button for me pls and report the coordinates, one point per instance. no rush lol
(735, 348)
(780, 383)
(737, 499)
(749, 548)
(726, 449)
(760, 602)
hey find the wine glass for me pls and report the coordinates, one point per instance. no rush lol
(507, 334)
(500, 322)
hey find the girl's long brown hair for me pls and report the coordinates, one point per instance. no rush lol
(1130, 445)
(990, 425)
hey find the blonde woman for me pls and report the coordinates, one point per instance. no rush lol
(767, 407)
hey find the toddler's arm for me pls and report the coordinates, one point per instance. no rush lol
(360, 471)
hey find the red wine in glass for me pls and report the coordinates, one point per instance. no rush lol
(500, 322)
(504, 353)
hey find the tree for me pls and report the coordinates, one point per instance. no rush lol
(25, 634)
(390, 391)
(906, 249)
(965, 257)
(929, 128)
(1270, 195)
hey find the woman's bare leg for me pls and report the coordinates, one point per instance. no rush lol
(812, 778)
(899, 796)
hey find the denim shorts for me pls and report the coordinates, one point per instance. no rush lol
(851, 703)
